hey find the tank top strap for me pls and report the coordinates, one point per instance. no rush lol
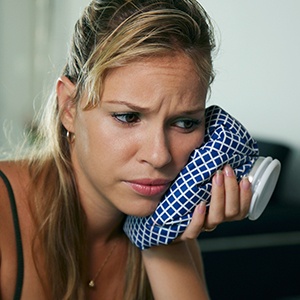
(19, 247)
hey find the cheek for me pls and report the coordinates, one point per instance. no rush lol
(196, 138)
(102, 145)
(190, 142)
(89, 141)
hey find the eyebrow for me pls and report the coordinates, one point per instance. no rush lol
(194, 111)
(130, 105)
(145, 109)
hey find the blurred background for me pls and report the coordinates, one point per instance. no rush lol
(34, 37)
(257, 66)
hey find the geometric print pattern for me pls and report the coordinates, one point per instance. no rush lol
(226, 141)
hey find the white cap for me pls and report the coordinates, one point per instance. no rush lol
(263, 177)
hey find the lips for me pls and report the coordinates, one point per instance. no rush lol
(149, 187)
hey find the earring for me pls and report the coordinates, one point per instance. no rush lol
(70, 137)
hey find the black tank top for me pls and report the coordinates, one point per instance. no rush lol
(20, 259)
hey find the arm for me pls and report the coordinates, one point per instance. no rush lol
(173, 273)
(176, 271)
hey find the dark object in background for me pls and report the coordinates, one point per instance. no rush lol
(257, 259)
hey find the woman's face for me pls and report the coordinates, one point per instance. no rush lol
(131, 147)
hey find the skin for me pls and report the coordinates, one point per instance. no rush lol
(126, 152)
(162, 98)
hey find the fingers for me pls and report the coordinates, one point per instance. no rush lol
(217, 202)
(245, 196)
(197, 223)
(229, 199)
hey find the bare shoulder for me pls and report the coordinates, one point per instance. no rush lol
(15, 171)
(13, 190)
(13, 205)
(16, 176)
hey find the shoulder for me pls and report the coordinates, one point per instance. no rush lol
(13, 194)
(17, 175)
(14, 222)
(14, 169)
(14, 187)
(10, 189)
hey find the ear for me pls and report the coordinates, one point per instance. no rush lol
(65, 91)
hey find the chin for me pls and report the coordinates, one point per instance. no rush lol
(141, 215)
(142, 210)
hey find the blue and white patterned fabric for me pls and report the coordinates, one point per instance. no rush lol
(226, 142)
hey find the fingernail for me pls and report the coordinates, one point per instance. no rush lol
(228, 171)
(219, 178)
(246, 185)
(202, 207)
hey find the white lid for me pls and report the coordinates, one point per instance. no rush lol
(263, 184)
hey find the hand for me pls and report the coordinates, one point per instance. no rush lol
(181, 260)
(230, 201)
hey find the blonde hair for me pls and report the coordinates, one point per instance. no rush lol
(110, 33)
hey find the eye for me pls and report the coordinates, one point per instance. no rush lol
(128, 118)
(187, 124)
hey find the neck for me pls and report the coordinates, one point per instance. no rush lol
(103, 230)
(103, 219)
(104, 225)
(106, 269)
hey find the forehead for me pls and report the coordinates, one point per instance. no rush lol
(170, 61)
(177, 68)
(175, 64)
(161, 78)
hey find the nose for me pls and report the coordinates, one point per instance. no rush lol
(155, 149)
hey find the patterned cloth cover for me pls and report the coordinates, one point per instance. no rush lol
(226, 142)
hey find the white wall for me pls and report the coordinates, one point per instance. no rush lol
(34, 37)
(258, 65)
(258, 72)
(15, 61)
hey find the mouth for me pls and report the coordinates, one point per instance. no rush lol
(148, 187)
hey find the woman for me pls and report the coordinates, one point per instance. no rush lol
(127, 112)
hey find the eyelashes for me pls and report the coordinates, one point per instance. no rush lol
(187, 124)
(132, 118)
(127, 118)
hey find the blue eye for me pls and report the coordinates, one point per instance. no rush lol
(128, 118)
